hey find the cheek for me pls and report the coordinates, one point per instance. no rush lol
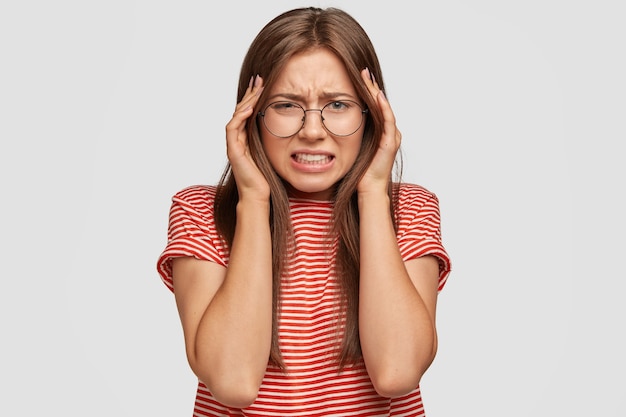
(354, 150)
(353, 158)
(265, 143)
(273, 150)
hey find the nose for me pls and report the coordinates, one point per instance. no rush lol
(313, 127)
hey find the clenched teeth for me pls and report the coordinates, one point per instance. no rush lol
(312, 158)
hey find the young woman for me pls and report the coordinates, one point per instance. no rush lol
(307, 279)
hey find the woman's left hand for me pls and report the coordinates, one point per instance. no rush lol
(377, 176)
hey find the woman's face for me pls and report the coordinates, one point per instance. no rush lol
(312, 160)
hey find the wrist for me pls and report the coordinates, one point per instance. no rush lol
(378, 197)
(256, 206)
(376, 187)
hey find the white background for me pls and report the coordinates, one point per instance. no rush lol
(511, 111)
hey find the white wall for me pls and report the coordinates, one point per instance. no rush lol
(512, 112)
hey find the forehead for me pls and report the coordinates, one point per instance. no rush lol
(313, 73)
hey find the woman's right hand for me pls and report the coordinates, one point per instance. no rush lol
(250, 181)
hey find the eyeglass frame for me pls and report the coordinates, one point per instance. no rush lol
(262, 115)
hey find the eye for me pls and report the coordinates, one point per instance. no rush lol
(338, 106)
(285, 107)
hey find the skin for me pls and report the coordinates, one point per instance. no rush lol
(226, 313)
(312, 79)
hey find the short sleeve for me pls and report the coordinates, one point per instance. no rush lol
(191, 231)
(419, 228)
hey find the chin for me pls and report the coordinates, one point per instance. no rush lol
(314, 193)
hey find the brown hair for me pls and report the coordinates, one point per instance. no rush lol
(288, 34)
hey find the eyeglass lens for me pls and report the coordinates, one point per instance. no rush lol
(340, 118)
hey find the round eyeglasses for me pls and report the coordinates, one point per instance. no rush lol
(340, 118)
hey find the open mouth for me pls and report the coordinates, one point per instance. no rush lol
(312, 159)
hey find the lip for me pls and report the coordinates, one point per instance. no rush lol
(312, 161)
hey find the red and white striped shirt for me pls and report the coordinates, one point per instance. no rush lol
(309, 319)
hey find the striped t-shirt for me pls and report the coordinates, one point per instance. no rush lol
(309, 320)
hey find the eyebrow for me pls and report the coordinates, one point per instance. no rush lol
(324, 96)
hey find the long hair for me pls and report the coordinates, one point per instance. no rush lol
(288, 34)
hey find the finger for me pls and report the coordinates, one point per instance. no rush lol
(243, 109)
(391, 134)
(252, 93)
(376, 92)
(370, 82)
(389, 118)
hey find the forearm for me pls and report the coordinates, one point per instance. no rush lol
(234, 335)
(397, 331)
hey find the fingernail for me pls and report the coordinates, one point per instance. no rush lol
(257, 80)
(251, 81)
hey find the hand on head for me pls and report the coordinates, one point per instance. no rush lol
(378, 174)
(250, 181)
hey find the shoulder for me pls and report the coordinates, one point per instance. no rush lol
(414, 195)
(197, 198)
(196, 192)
